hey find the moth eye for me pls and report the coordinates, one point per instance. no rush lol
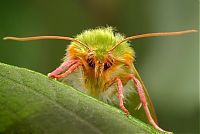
(91, 63)
(107, 65)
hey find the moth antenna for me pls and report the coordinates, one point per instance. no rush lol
(152, 35)
(46, 37)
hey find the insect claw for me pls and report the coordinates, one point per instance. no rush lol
(124, 110)
(49, 75)
(127, 114)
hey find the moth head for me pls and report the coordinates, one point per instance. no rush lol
(99, 64)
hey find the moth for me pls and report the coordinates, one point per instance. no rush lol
(100, 63)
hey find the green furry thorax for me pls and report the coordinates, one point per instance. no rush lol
(101, 40)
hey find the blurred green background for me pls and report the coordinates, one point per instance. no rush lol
(168, 65)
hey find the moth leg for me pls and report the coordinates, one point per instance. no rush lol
(70, 70)
(120, 92)
(144, 102)
(65, 65)
(121, 96)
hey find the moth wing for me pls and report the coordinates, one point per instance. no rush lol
(133, 101)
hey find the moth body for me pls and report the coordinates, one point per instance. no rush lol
(98, 65)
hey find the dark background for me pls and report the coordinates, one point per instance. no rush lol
(169, 66)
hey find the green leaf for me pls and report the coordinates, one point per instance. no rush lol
(32, 103)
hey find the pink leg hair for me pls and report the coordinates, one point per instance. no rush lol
(70, 70)
(144, 102)
(65, 65)
(120, 92)
(120, 95)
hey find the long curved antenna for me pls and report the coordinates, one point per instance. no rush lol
(151, 35)
(46, 37)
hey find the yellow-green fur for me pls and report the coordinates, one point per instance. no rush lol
(100, 41)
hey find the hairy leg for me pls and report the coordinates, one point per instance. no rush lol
(70, 70)
(144, 102)
(64, 66)
(120, 92)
